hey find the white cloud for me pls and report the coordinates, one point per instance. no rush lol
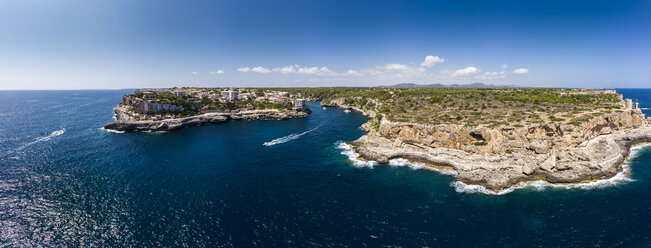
(195, 73)
(353, 73)
(396, 67)
(492, 75)
(309, 70)
(285, 70)
(431, 61)
(465, 72)
(291, 69)
(260, 69)
(521, 71)
(504, 66)
(219, 71)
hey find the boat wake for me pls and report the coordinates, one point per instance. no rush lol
(620, 178)
(41, 139)
(289, 137)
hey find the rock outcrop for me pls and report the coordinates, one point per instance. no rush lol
(129, 120)
(498, 158)
(148, 107)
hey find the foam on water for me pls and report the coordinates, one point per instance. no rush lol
(44, 138)
(110, 130)
(353, 156)
(289, 137)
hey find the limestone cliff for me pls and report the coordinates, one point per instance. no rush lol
(538, 138)
(137, 115)
(500, 157)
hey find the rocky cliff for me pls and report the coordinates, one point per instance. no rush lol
(129, 120)
(537, 138)
(500, 157)
(147, 107)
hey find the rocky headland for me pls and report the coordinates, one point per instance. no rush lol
(126, 121)
(504, 156)
(140, 115)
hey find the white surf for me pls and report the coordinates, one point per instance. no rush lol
(110, 130)
(353, 156)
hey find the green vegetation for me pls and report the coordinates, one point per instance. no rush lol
(480, 143)
(493, 107)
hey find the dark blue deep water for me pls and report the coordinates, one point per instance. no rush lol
(218, 186)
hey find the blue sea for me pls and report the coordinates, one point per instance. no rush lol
(65, 182)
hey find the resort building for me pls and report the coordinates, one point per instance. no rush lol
(231, 95)
(300, 103)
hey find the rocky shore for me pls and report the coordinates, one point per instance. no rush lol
(502, 157)
(126, 120)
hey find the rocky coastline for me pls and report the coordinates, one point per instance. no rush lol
(127, 121)
(502, 157)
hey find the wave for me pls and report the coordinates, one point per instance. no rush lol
(41, 139)
(619, 179)
(289, 137)
(110, 130)
(353, 156)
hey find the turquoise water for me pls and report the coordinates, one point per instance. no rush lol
(219, 186)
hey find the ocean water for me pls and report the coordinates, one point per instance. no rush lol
(66, 182)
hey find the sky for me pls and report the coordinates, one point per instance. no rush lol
(159, 43)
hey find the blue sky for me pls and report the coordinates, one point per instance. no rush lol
(131, 44)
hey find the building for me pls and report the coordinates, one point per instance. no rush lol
(179, 93)
(300, 103)
(231, 95)
(203, 93)
(148, 95)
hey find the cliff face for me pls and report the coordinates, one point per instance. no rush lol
(128, 120)
(500, 157)
(145, 107)
(502, 139)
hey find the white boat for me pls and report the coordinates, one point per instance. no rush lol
(324, 108)
(347, 111)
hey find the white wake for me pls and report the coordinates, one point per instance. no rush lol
(44, 138)
(289, 137)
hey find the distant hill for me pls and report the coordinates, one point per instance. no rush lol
(472, 85)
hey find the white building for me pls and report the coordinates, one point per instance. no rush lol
(231, 95)
(299, 103)
(179, 93)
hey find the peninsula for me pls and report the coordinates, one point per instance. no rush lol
(497, 137)
(160, 110)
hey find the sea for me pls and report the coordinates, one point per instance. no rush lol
(66, 182)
